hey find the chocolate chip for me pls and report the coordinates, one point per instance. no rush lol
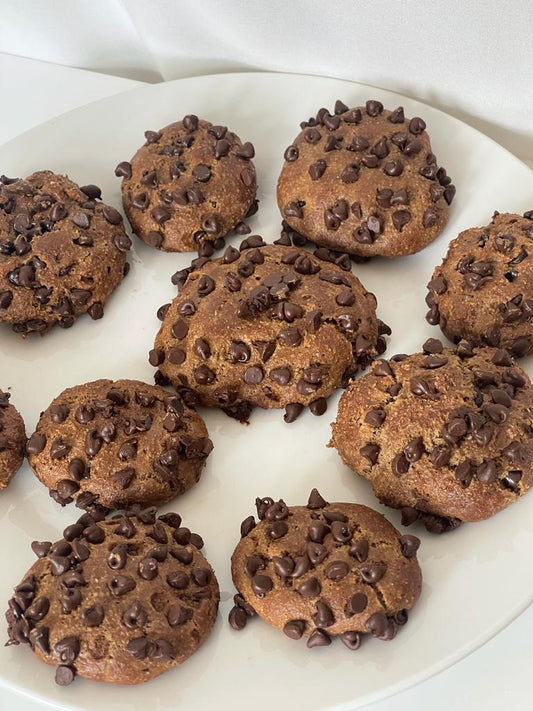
(318, 638)
(277, 530)
(409, 546)
(64, 675)
(68, 649)
(413, 451)
(417, 125)
(261, 585)
(291, 154)
(123, 170)
(370, 452)
(487, 472)
(323, 615)
(294, 629)
(337, 570)
(350, 174)
(393, 168)
(36, 444)
(372, 574)
(356, 604)
(512, 480)
(374, 108)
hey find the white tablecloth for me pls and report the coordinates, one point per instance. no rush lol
(493, 678)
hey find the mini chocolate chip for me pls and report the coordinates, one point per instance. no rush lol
(371, 452)
(291, 154)
(64, 675)
(93, 616)
(337, 570)
(294, 629)
(372, 574)
(409, 546)
(36, 444)
(318, 638)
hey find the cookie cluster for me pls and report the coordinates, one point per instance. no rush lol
(445, 435)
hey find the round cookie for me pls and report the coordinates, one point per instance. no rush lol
(62, 252)
(113, 444)
(483, 290)
(444, 435)
(324, 570)
(12, 440)
(191, 182)
(121, 600)
(365, 181)
(268, 326)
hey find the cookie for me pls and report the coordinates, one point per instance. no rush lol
(365, 181)
(324, 570)
(113, 444)
(12, 440)
(191, 182)
(266, 326)
(62, 252)
(119, 600)
(483, 290)
(444, 435)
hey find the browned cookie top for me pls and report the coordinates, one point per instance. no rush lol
(120, 600)
(12, 440)
(483, 290)
(62, 252)
(190, 182)
(323, 570)
(268, 325)
(117, 443)
(444, 432)
(365, 181)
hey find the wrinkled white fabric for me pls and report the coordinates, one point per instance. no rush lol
(473, 58)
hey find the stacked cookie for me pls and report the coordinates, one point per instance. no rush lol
(445, 435)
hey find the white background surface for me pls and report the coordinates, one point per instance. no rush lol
(472, 58)
(493, 677)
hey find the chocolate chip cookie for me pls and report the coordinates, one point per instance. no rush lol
(445, 435)
(324, 570)
(191, 182)
(62, 252)
(113, 444)
(267, 326)
(120, 600)
(365, 181)
(12, 440)
(483, 290)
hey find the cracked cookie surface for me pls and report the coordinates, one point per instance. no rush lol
(446, 434)
(268, 326)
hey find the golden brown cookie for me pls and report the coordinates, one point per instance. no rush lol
(191, 182)
(483, 290)
(12, 440)
(62, 252)
(268, 326)
(445, 435)
(120, 600)
(365, 181)
(324, 570)
(113, 444)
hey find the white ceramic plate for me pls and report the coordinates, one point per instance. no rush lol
(476, 579)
